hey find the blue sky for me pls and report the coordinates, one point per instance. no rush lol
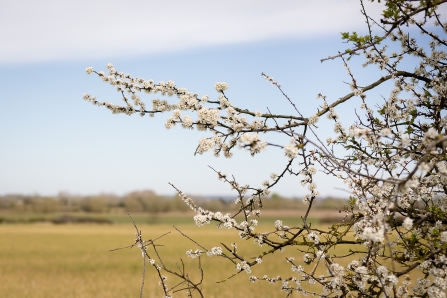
(52, 140)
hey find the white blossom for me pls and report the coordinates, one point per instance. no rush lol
(444, 237)
(220, 86)
(313, 119)
(385, 132)
(278, 224)
(312, 236)
(405, 141)
(407, 223)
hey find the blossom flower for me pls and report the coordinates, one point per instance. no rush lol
(373, 234)
(407, 223)
(337, 270)
(306, 199)
(405, 141)
(391, 280)
(435, 292)
(205, 145)
(176, 113)
(312, 236)
(253, 279)
(243, 266)
(382, 271)
(361, 270)
(332, 115)
(307, 258)
(444, 237)
(220, 86)
(385, 132)
(297, 269)
(187, 121)
(194, 254)
(253, 142)
(170, 122)
(312, 119)
(89, 70)
(353, 265)
(429, 136)
(312, 170)
(338, 127)
(278, 224)
(431, 133)
(217, 250)
(291, 151)
(312, 186)
(208, 116)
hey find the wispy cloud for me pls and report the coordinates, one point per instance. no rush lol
(45, 30)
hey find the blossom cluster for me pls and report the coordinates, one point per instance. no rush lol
(391, 160)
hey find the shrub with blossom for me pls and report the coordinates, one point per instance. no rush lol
(393, 159)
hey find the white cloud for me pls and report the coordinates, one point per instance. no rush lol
(34, 31)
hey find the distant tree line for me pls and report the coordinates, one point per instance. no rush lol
(139, 201)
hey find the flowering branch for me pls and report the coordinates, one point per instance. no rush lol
(392, 161)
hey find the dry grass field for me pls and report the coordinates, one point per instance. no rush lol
(46, 260)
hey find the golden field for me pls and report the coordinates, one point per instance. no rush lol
(74, 261)
(43, 260)
(46, 260)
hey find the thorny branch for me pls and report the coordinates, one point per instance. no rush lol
(392, 160)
